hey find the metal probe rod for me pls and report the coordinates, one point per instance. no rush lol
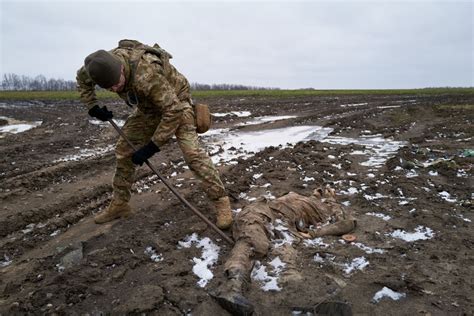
(179, 196)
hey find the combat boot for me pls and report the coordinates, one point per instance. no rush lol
(116, 209)
(224, 213)
(229, 295)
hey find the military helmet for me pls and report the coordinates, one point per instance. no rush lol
(104, 68)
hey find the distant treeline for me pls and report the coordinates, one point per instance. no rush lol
(14, 82)
(225, 86)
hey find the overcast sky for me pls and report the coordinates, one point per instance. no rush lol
(291, 44)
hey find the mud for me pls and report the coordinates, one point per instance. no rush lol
(414, 210)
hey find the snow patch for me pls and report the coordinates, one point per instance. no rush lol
(209, 256)
(386, 292)
(420, 233)
(379, 215)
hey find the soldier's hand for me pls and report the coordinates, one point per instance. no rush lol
(101, 113)
(144, 153)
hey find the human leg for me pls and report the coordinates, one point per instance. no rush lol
(204, 169)
(138, 129)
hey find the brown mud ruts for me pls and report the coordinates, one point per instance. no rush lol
(53, 259)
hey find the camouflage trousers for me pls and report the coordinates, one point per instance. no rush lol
(139, 129)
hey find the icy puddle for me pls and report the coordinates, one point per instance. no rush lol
(226, 145)
(14, 126)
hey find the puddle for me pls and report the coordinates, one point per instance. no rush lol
(15, 126)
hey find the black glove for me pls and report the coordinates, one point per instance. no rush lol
(141, 155)
(101, 113)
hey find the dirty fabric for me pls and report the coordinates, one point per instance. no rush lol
(260, 222)
(162, 100)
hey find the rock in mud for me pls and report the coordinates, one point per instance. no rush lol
(72, 258)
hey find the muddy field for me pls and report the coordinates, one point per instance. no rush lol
(402, 164)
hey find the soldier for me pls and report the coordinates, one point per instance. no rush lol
(143, 76)
(290, 217)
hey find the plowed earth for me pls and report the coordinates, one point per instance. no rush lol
(54, 259)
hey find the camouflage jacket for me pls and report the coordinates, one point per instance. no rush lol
(152, 84)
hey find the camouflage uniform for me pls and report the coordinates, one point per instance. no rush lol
(255, 225)
(163, 109)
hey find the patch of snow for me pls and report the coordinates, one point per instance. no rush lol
(6, 261)
(352, 104)
(269, 118)
(269, 282)
(307, 179)
(55, 233)
(15, 126)
(153, 255)
(420, 233)
(378, 149)
(346, 203)
(234, 144)
(236, 113)
(386, 292)
(316, 242)
(120, 123)
(377, 196)
(460, 216)
(358, 263)
(379, 215)
(461, 173)
(368, 249)
(388, 106)
(411, 174)
(433, 173)
(209, 256)
(447, 197)
(87, 153)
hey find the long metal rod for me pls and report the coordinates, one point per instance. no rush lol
(179, 196)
